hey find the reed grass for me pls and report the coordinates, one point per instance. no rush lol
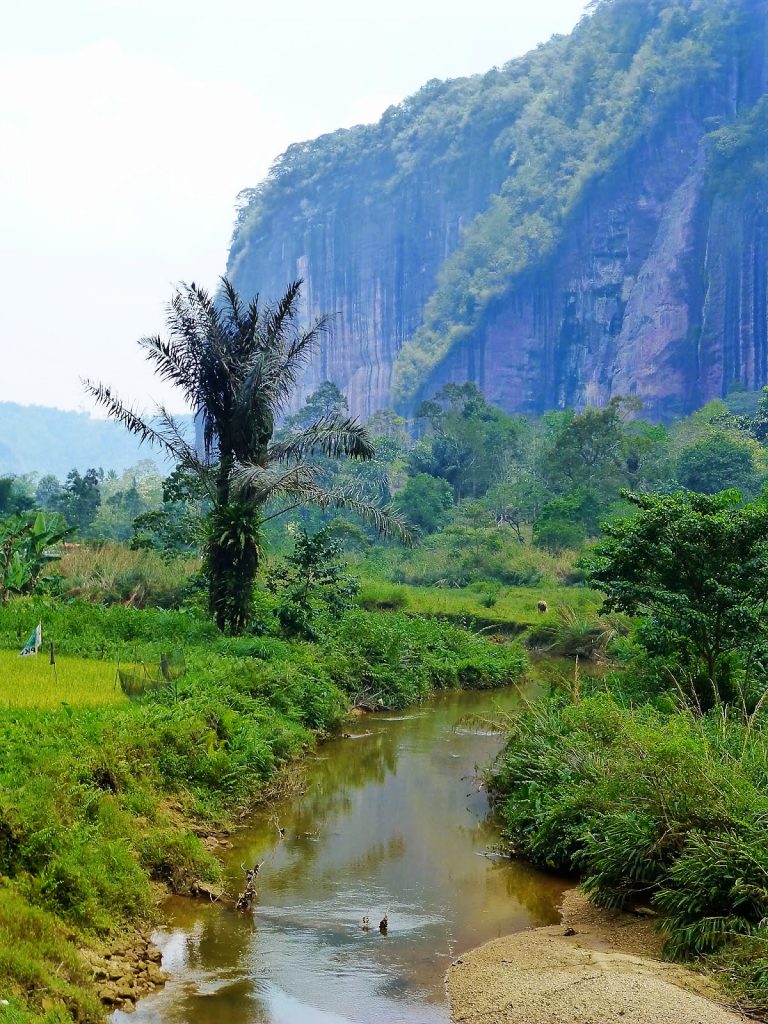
(114, 574)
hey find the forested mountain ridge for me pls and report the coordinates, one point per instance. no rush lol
(587, 221)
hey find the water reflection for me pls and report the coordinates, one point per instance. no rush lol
(390, 823)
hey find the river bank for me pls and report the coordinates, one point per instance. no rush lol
(390, 820)
(104, 809)
(595, 967)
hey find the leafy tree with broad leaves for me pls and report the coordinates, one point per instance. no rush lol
(426, 501)
(237, 365)
(311, 583)
(80, 499)
(593, 448)
(696, 566)
(719, 462)
(177, 527)
(327, 401)
(15, 495)
(467, 440)
(27, 547)
(755, 425)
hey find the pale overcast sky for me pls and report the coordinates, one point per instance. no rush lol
(127, 128)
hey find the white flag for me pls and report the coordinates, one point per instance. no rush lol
(35, 642)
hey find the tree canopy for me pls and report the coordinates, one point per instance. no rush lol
(696, 566)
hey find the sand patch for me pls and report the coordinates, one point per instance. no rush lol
(604, 972)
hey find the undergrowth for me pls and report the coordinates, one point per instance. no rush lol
(649, 807)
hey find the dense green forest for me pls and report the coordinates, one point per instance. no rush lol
(494, 500)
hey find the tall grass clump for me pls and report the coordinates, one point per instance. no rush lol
(569, 632)
(452, 559)
(662, 809)
(114, 574)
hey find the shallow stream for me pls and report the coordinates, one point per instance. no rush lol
(392, 820)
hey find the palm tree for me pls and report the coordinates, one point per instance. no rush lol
(237, 365)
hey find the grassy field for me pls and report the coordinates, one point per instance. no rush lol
(511, 606)
(30, 682)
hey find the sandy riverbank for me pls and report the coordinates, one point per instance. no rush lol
(606, 971)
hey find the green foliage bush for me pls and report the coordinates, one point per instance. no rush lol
(392, 660)
(312, 584)
(646, 807)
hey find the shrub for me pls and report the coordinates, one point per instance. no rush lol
(395, 659)
(644, 806)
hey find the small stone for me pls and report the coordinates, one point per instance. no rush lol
(156, 976)
(108, 994)
(206, 891)
(646, 912)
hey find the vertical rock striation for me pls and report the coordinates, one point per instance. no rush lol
(591, 220)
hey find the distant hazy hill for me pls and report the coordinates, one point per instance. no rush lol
(34, 438)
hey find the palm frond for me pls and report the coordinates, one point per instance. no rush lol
(306, 341)
(260, 483)
(385, 519)
(332, 436)
(279, 319)
(133, 421)
(172, 364)
(268, 384)
(234, 306)
(187, 456)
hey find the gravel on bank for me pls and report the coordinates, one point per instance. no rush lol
(604, 972)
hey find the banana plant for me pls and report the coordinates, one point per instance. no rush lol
(27, 547)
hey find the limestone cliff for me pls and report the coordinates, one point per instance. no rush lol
(587, 221)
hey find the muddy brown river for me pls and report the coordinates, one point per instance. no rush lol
(393, 822)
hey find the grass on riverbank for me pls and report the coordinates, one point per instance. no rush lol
(99, 805)
(492, 604)
(648, 806)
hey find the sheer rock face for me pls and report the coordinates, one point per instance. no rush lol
(369, 256)
(660, 292)
(657, 287)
